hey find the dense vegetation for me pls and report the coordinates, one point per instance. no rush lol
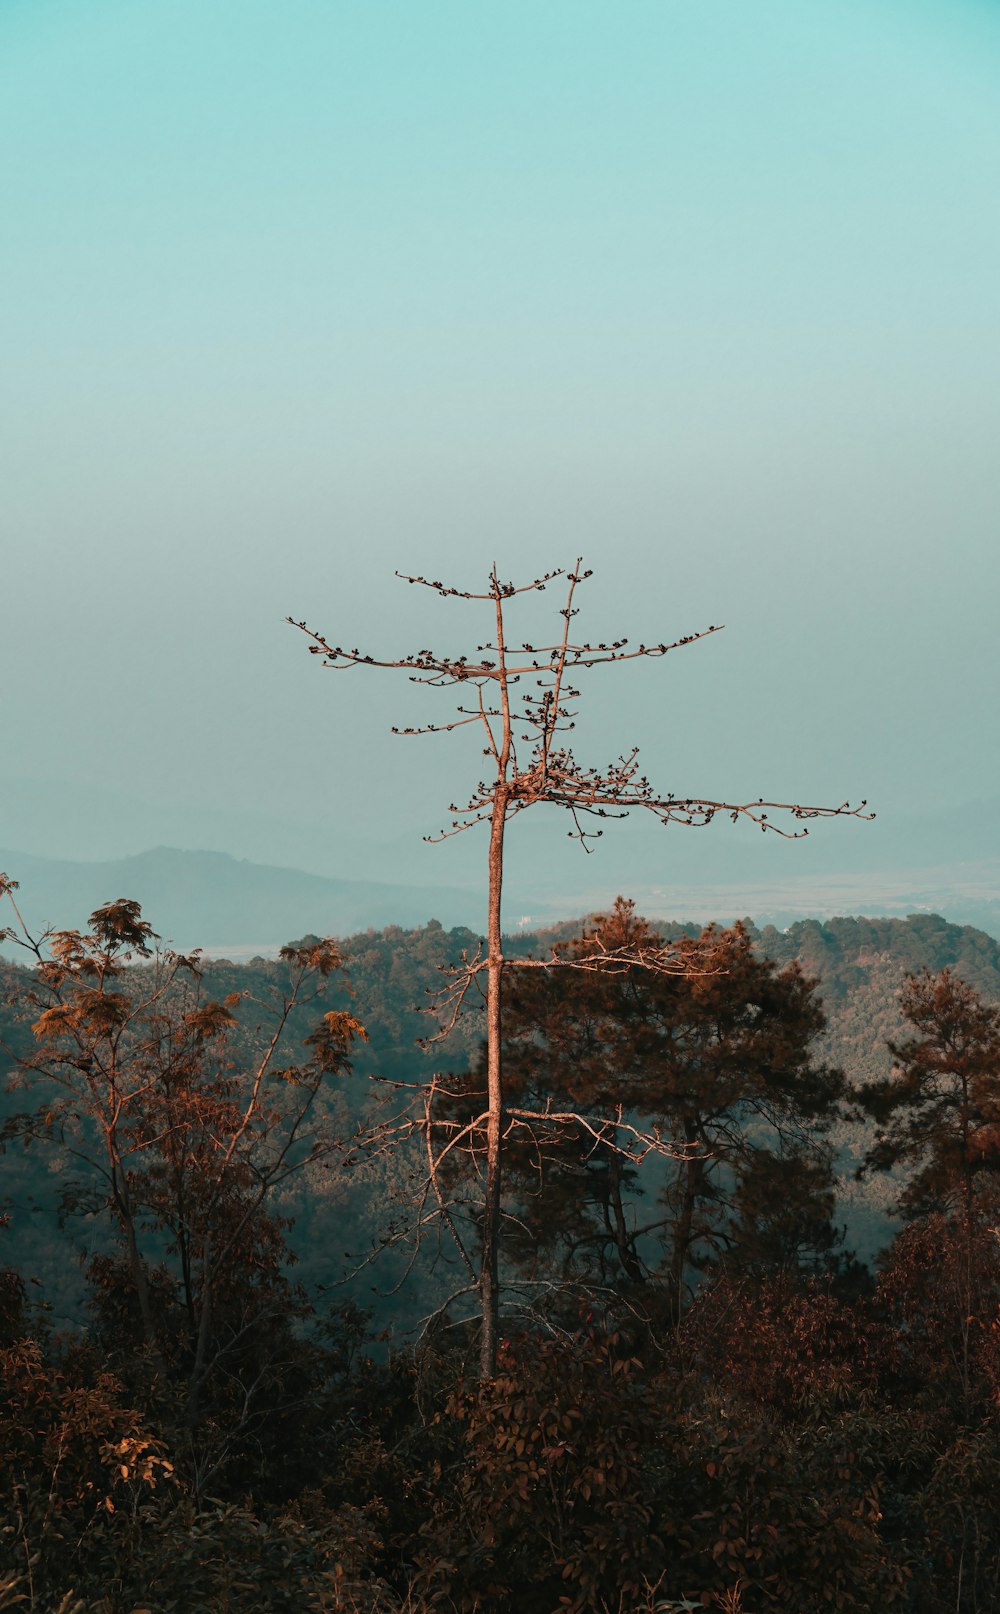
(703, 1399)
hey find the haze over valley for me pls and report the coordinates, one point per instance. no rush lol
(943, 862)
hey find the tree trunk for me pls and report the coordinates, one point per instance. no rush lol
(684, 1225)
(624, 1243)
(489, 1281)
(136, 1264)
(199, 1366)
(137, 1267)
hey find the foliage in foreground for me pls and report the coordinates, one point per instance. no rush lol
(791, 1444)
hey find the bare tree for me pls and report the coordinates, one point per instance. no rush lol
(531, 763)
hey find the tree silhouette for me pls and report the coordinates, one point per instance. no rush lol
(940, 1109)
(719, 1056)
(939, 1113)
(524, 729)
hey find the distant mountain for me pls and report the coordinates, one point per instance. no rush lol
(945, 861)
(211, 900)
(67, 820)
(237, 908)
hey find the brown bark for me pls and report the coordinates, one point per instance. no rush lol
(489, 1281)
(137, 1267)
(684, 1226)
(631, 1265)
(136, 1264)
(200, 1365)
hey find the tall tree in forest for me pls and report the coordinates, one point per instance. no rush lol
(523, 733)
(939, 1113)
(718, 1055)
(939, 1110)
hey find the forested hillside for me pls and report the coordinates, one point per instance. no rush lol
(700, 1400)
(390, 981)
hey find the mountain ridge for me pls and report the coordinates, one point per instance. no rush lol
(224, 903)
(210, 899)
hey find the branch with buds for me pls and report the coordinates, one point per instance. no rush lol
(521, 696)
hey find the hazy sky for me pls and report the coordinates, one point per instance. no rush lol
(295, 294)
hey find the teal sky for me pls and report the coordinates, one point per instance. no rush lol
(295, 294)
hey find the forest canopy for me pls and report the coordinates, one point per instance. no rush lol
(705, 1399)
